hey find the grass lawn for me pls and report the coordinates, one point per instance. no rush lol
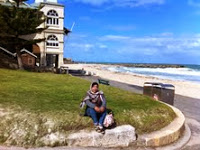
(36, 104)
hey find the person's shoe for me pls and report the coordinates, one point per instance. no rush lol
(101, 129)
(96, 127)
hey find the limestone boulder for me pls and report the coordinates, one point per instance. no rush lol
(121, 136)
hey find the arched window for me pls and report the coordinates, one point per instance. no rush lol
(52, 40)
(52, 18)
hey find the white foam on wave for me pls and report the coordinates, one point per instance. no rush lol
(165, 73)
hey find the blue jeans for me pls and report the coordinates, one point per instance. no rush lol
(97, 118)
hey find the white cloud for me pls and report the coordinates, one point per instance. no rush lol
(103, 46)
(137, 3)
(164, 43)
(93, 2)
(83, 46)
(84, 18)
(121, 27)
(195, 3)
(122, 3)
(167, 34)
(78, 36)
(114, 38)
(197, 13)
(151, 45)
(163, 47)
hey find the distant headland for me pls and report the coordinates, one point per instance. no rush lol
(152, 65)
(135, 65)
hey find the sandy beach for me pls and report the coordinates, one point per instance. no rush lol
(184, 88)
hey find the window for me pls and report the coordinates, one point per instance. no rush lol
(52, 18)
(30, 61)
(52, 40)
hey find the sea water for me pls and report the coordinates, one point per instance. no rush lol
(188, 73)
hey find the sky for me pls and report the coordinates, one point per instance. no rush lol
(133, 31)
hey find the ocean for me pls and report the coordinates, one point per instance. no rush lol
(188, 73)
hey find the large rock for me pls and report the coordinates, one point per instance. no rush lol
(53, 139)
(121, 136)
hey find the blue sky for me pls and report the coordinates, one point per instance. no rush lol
(137, 31)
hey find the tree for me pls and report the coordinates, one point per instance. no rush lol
(16, 23)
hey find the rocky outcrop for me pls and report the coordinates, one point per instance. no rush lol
(121, 136)
(54, 139)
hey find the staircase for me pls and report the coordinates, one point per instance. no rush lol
(7, 59)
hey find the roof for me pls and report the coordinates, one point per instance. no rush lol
(14, 54)
(66, 31)
(45, 3)
(8, 52)
(25, 50)
(10, 3)
(51, 3)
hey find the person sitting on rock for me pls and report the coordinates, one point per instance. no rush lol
(96, 106)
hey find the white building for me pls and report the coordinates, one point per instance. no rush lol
(50, 51)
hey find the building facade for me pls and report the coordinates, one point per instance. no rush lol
(51, 50)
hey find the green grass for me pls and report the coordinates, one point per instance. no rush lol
(42, 99)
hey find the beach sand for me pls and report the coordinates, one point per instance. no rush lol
(184, 88)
